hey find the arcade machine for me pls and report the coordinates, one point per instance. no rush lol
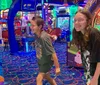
(1, 42)
(4, 28)
(63, 22)
(3, 22)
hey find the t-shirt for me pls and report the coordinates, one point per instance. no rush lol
(91, 56)
(44, 48)
(94, 48)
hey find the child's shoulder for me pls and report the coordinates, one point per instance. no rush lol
(44, 35)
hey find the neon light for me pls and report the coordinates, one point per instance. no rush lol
(42, 2)
(46, 0)
(4, 4)
(26, 45)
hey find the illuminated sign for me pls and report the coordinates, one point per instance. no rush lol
(29, 5)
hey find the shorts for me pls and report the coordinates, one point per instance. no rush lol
(45, 67)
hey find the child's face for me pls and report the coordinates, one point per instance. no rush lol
(80, 22)
(34, 27)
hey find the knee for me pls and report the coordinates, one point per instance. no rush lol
(39, 79)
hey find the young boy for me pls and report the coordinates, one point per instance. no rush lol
(45, 52)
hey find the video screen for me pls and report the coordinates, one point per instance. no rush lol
(63, 23)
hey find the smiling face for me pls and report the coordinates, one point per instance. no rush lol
(37, 24)
(80, 22)
(34, 27)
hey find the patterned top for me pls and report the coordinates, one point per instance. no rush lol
(86, 65)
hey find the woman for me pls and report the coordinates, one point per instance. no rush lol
(87, 39)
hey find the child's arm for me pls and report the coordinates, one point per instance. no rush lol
(56, 63)
(49, 50)
(53, 37)
(94, 80)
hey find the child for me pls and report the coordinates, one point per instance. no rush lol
(45, 52)
(87, 39)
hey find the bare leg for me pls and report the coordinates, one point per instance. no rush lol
(40, 78)
(50, 80)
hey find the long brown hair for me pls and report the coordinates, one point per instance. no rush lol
(80, 39)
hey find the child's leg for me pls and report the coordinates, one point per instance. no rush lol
(40, 78)
(50, 80)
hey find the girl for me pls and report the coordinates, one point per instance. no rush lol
(87, 39)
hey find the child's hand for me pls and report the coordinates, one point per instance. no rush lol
(57, 71)
(54, 37)
(94, 82)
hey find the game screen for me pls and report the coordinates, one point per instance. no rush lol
(63, 23)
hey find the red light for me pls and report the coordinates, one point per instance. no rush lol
(65, 4)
